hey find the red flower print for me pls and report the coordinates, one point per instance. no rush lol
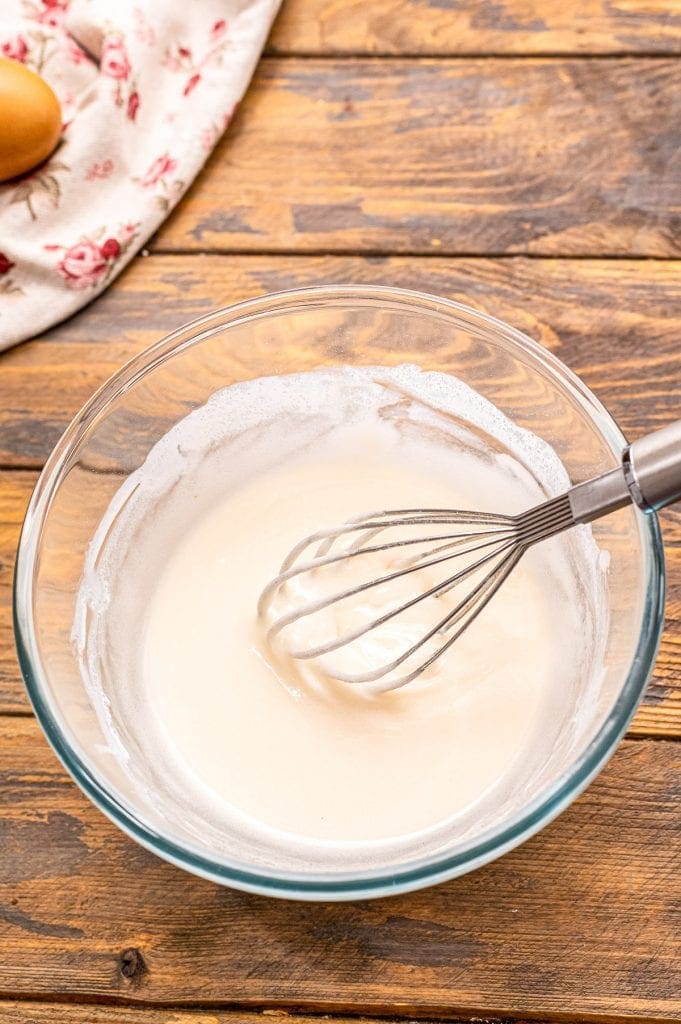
(111, 249)
(52, 13)
(133, 105)
(161, 166)
(114, 62)
(103, 170)
(5, 264)
(191, 84)
(15, 49)
(88, 264)
(83, 265)
(73, 52)
(192, 62)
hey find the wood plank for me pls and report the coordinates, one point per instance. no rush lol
(540, 931)
(15, 490)
(434, 27)
(88, 1013)
(613, 322)
(659, 715)
(29, 1012)
(462, 156)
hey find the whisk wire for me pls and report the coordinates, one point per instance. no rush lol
(312, 607)
(472, 603)
(494, 542)
(349, 637)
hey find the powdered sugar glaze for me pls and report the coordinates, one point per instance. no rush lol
(239, 750)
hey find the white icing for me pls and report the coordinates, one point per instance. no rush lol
(292, 770)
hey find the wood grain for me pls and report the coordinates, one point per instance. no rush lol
(584, 918)
(15, 490)
(613, 322)
(561, 157)
(30, 1012)
(483, 27)
(473, 155)
(88, 1013)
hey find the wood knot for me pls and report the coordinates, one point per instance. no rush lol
(132, 966)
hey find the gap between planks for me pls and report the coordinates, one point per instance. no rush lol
(415, 55)
(386, 254)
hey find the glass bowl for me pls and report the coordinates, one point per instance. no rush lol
(291, 332)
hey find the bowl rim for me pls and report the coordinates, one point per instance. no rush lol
(357, 884)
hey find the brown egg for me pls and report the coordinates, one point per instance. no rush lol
(30, 119)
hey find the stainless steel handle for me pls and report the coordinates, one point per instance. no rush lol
(652, 468)
(650, 476)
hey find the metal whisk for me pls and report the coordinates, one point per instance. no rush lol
(475, 550)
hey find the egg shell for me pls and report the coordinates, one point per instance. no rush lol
(30, 119)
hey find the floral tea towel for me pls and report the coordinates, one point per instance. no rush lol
(147, 87)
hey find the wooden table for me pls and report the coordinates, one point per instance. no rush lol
(519, 155)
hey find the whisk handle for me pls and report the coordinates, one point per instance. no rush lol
(652, 468)
(650, 476)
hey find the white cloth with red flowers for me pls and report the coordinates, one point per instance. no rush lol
(147, 87)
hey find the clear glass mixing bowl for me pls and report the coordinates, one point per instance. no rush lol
(292, 332)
